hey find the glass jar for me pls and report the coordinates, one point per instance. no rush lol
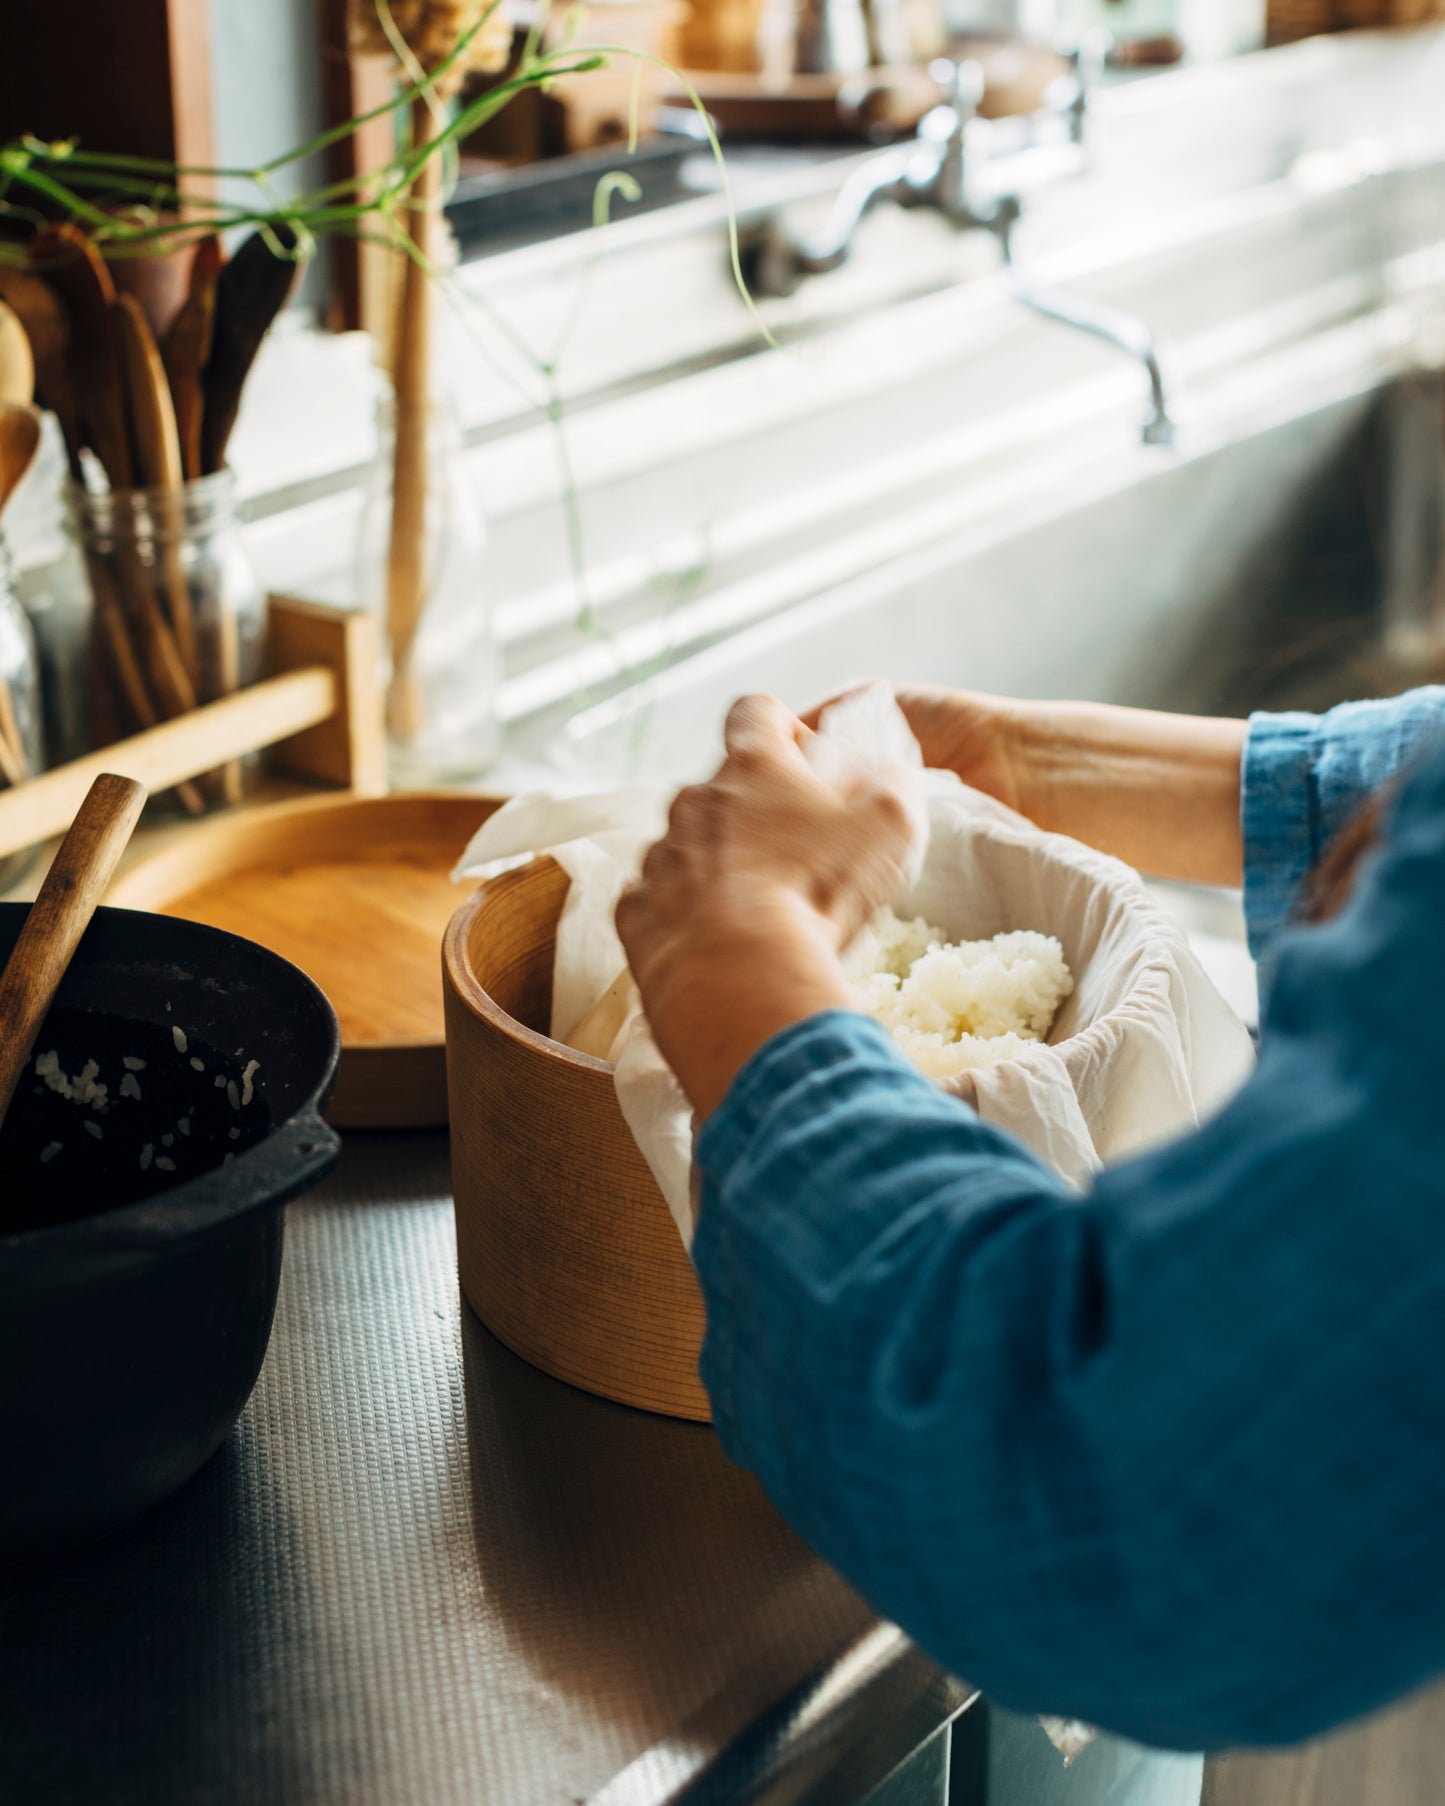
(177, 612)
(442, 664)
(22, 741)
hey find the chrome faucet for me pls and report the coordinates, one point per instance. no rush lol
(977, 173)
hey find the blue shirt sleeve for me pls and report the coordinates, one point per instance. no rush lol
(1170, 1456)
(1303, 777)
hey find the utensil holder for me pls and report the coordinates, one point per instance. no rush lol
(319, 713)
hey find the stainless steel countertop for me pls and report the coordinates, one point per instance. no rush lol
(420, 1571)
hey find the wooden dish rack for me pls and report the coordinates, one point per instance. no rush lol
(318, 714)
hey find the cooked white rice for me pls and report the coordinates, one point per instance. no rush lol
(952, 1006)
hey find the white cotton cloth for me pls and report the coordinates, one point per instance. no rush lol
(1142, 1050)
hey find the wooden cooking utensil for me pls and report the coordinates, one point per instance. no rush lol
(155, 452)
(17, 361)
(187, 350)
(19, 438)
(155, 445)
(72, 267)
(47, 326)
(14, 766)
(58, 918)
(185, 355)
(70, 263)
(250, 291)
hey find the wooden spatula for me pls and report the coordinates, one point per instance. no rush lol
(250, 292)
(72, 266)
(19, 437)
(187, 350)
(155, 449)
(58, 918)
(47, 326)
(17, 361)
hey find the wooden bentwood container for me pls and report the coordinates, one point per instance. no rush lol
(567, 1251)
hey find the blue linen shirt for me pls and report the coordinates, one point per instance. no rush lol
(1170, 1456)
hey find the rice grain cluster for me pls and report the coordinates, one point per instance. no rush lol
(955, 1005)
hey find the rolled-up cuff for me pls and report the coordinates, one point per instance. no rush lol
(1277, 820)
(1304, 777)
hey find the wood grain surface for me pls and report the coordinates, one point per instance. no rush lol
(566, 1248)
(170, 751)
(357, 892)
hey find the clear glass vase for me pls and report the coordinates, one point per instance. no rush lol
(442, 664)
(177, 612)
(22, 740)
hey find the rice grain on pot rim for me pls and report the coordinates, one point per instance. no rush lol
(952, 1006)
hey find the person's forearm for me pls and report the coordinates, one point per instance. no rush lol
(1158, 791)
(718, 997)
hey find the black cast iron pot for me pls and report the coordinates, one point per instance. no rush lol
(140, 1230)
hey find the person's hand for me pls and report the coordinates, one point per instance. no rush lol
(962, 731)
(765, 873)
(1161, 792)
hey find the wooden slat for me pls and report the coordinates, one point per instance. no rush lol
(350, 747)
(165, 755)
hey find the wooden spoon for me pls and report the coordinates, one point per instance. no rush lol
(70, 263)
(47, 326)
(17, 361)
(19, 438)
(58, 918)
(250, 292)
(155, 449)
(187, 350)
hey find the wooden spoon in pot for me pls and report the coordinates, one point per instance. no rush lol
(58, 918)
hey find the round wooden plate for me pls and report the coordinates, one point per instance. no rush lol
(356, 890)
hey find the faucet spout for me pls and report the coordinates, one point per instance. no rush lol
(1128, 332)
(937, 169)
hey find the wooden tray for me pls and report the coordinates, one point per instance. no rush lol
(356, 891)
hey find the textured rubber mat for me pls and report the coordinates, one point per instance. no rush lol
(419, 1571)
